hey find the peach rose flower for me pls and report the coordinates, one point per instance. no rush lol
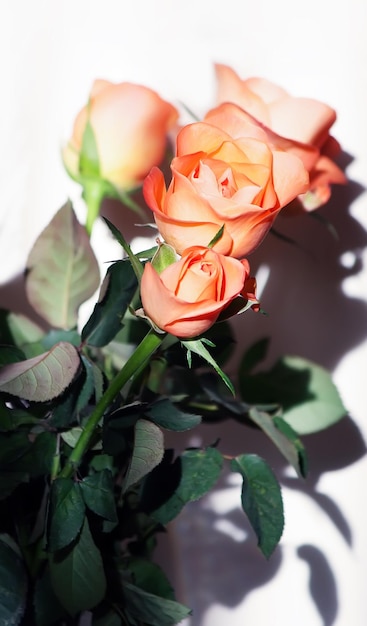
(130, 124)
(231, 171)
(303, 120)
(186, 298)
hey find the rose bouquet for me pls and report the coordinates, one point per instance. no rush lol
(86, 481)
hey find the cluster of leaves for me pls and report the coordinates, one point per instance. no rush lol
(78, 530)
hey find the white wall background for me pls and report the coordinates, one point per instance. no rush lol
(50, 52)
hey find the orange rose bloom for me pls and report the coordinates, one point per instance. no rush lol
(231, 171)
(300, 119)
(130, 124)
(188, 296)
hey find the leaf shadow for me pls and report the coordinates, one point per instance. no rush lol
(215, 557)
(308, 311)
(214, 567)
(322, 583)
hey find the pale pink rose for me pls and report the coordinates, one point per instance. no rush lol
(303, 120)
(130, 124)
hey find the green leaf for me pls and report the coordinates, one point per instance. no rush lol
(261, 500)
(98, 493)
(12, 446)
(115, 296)
(102, 462)
(147, 254)
(324, 406)
(71, 437)
(137, 265)
(67, 512)
(123, 345)
(284, 437)
(10, 480)
(64, 409)
(56, 335)
(6, 336)
(200, 470)
(47, 607)
(108, 619)
(93, 384)
(309, 398)
(38, 458)
(282, 384)
(149, 577)
(167, 415)
(62, 270)
(23, 330)
(197, 346)
(41, 378)
(253, 356)
(152, 609)
(13, 583)
(293, 437)
(147, 454)
(11, 419)
(77, 576)
(10, 354)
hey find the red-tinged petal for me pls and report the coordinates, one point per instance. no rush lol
(154, 189)
(172, 314)
(327, 171)
(331, 148)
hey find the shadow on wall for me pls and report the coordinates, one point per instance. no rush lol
(308, 314)
(211, 555)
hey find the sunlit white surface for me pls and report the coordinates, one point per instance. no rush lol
(50, 54)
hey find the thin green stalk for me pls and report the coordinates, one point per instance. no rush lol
(128, 201)
(93, 195)
(131, 368)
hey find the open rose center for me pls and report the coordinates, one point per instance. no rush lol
(199, 282)
(226, 184)
(210, 178)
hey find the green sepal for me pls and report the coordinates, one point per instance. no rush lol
(217, 237)
(197, 346)
(137, 265)
(164, 256)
